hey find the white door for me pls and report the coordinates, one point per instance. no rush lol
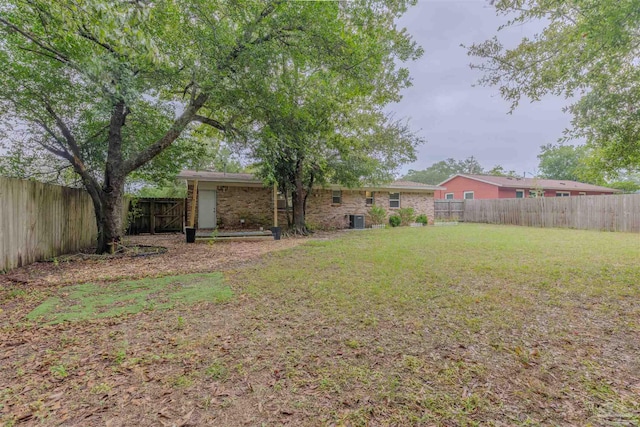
(206, 209)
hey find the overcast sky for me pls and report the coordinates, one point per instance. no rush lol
(457, 119)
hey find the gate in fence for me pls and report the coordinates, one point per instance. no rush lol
(449, 209)
(148, 215)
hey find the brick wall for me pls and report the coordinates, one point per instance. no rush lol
(322, 213)
(255, 206)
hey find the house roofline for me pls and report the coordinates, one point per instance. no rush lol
(520, 183)
(254, 182)
(469, 177)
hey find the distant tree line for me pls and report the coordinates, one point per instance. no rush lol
(563, 162)
(440, 171)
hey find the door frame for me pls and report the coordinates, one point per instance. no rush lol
(215, 208)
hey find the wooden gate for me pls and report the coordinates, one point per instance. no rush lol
(449, 209)
(148, 215)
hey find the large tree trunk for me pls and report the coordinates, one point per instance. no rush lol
(111, 235)
(108, 208)
(299, 223)
(107, 199)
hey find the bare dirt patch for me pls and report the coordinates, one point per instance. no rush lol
(180, 258)
(22, 289)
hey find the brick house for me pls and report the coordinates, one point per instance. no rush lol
(467, 186)
(237, 200)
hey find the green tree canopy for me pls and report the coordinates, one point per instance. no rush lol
(111, 87)
(440, 171)
(563, 162)
(320, 127)
(498, 170)
(588, 52)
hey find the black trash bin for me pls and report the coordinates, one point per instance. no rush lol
(277, 232)
(191, 235)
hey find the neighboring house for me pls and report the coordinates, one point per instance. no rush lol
(236, 200)
(467, 186)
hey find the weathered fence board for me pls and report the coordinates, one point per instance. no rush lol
(156, 215)
(620, 212)
(448, 209)
(40, 221)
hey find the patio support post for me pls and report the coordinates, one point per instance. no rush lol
(194, 200)
(275, 204)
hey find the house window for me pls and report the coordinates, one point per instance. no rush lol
(562, 194)
(448, 196)
(394, 200)
(519, 194)
(582, 193)
(336, 197)
(283, 201)
(369, 198)
(536, 193)
(468, 195)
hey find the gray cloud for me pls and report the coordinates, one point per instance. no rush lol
(457, 119)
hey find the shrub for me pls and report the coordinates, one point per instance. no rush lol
(395, 220)
(377, 214)
(406, 215)
(422, 219)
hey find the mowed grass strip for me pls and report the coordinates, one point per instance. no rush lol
(465, 325)
(99, 300)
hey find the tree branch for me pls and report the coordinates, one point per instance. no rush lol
(34, 39)
(84, 33)
(66, 132)
(211, 122)
(38, 52)
(61, 153)
(167, 139)
(75, 157)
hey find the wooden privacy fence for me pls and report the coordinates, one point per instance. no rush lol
(40, 221)
(448, 209)
(606, 213)
(156, 215)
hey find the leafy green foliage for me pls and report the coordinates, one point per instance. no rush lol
(577, 164)
(321, 125)
(627, 182)
(498, 170)
(562, 162)
(173, 190)
(588, 53)
(625, 186)
(117, 90)
(422, 219)
(440, 171)
(395, 220)
(378, 214)
(407, 215)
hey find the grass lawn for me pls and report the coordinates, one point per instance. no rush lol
(94, 301)
(448, 326)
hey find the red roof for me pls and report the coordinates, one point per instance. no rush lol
(549, 184)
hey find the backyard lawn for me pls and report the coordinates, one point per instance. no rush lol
(443, 326)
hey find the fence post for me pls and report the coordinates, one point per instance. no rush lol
(152, 217)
